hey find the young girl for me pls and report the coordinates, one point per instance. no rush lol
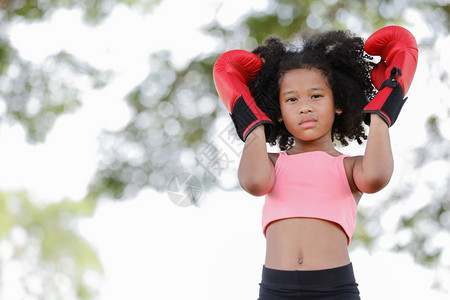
(305, 99)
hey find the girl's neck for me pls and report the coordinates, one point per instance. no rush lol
(324, 146)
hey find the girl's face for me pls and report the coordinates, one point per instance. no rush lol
(307, 105)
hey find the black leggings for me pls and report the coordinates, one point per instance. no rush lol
(330, 284)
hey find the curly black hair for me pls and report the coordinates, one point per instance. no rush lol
(340, 57)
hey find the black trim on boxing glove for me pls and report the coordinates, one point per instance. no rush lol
(393, 104)
(245, 120)
(242, 116)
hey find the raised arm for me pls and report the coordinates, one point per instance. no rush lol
(233, 71)
(392, 77)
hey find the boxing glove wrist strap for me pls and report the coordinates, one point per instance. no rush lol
(389, 100)
(245, 119)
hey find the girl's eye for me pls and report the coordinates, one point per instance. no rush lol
(316, 96)
(291, 100)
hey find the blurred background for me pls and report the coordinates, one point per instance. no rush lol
(118, 162)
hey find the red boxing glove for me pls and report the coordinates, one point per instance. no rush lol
(232, 73)
(397, 48)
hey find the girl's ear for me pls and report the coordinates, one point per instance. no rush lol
(338, 111)
(280, 119)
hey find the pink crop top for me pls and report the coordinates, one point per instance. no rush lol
(311, 185)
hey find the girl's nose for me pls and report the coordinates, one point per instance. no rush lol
(304, 110)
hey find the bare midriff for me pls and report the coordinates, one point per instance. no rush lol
(305, 244)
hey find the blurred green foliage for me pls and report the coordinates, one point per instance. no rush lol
(95, 11)
(44, 239)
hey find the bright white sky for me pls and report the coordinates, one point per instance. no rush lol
(150, 248)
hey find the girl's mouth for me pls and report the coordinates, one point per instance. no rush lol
(307, 123)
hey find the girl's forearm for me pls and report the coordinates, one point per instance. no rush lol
(378, 163)
(256, 172)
